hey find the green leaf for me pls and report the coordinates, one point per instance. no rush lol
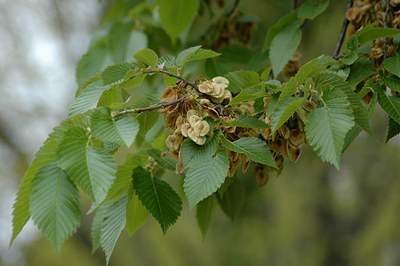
(283, 46)
(166, 61)
(88, 98)
(241, 79)
(248, 94)
(247, 122)
(192, 153)
(165, 162)
(393, 82)
(55, 205)
(232, 200)
(351, 135)
(176, 15)
(91, 62)
(46, 154)
(392, 64)
(203, 214)
(277, 27)
(158, 197)
(310, 69)
(116, 72)
(327, 126)
(96, 224)
(288, 89)
(313, 8)
(205, 177)
(87, 166)
(370, 33)
(146, 121)
(123, 179)
(393, 130)
(124, 41)
(284, 110)
(255, 148)
(123, 130)
(360, 113)
(147, 56)
(390, 104)
(360, 70)
(112, 225)
(136, 214)
(193, 54)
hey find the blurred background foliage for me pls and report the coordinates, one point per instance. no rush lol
(310, 215)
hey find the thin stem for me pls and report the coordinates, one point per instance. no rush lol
(385, 26)
(295, 4)
(234, 7)
(157, 106)
(159, 70)
(342, 34)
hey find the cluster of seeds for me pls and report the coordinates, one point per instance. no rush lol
(208, 103)
(365, 12)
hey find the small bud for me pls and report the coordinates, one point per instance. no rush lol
(284, 131)
(296, 138)
(260, 175)
(310, 105)
(179, 167)
(375, 53)
(293, 154)
(266, 133)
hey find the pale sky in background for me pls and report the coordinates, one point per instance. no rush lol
(40, 43)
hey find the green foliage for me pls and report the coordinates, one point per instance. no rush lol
(194, 54)
(192, 153)
(54, 204)
(204, 177)
(247, 122)
(284, 45)
(158, 197)
(203, 214)
(284, 110)
(112, 224)
(312, 8)
(390, 104)
(165, 162)
(147, 56)
(241, 79)
(88, 98)
(121, 131)
(97, 224)
(232, 200)
(327, 126)
(255, 148)
(89, 167)
(392, 64)
(112, 146)
(248, 94)
(46, 154)
(136, 214)
(176, 15)
(393, 130)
